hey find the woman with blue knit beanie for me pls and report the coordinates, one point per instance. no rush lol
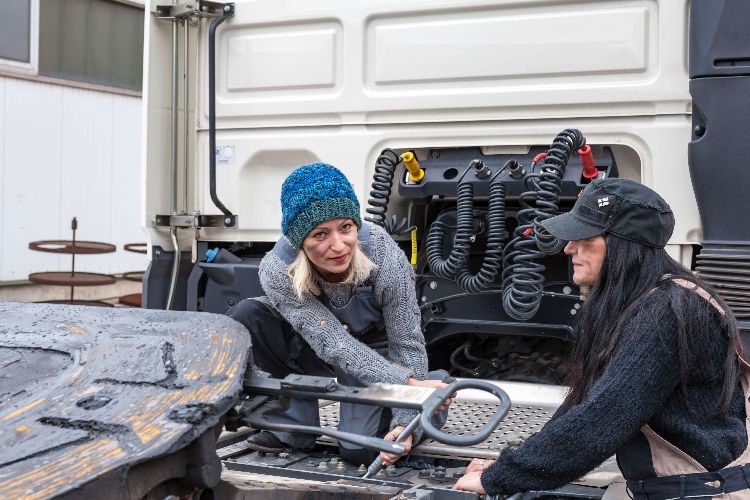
(340, 300)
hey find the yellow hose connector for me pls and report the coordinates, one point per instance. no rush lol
(410, 162)
(414, 247)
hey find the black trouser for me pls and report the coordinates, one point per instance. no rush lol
(279, 350)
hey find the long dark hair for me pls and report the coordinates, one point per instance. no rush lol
(629, 272)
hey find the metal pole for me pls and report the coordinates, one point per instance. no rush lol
(175, 268)
(173, 164)
(228, 11)
(73, 226)
(186, 125)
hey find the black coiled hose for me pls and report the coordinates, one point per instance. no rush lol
(382, 182)
(523, 274)
(493, 257)
(456, 266)
(380, 194)
(549, 185)
(458, 257)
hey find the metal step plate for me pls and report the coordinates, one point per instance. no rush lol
(466, 417)
(533, 405)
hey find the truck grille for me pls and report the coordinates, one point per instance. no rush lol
(727, 269)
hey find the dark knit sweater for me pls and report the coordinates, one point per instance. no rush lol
(640, 385)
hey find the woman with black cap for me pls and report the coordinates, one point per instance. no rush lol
(340, 300)
(657, 375)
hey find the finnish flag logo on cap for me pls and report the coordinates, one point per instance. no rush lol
(603, 202)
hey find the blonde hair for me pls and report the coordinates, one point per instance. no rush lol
(304, 276)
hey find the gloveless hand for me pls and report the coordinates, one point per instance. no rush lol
(478, 465)
(433, 384)
(390, 458)
(470, 482)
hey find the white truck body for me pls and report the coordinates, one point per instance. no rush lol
(337, 82)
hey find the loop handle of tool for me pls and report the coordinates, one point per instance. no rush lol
(436, 399)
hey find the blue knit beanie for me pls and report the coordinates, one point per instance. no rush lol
(313, 194)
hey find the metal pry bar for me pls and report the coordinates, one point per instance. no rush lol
(377, 464)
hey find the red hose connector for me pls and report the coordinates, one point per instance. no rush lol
(587, 160)
(538, 157)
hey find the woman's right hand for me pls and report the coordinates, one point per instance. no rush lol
(470, 482)
(433, 384)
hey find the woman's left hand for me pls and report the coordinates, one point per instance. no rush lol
(470, 482)
(478, 465)
(390, 458)
(433, 384)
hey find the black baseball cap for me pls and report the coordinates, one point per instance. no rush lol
(621, 207)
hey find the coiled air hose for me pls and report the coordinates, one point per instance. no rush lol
(493, 257)
(456, 266)
(380, 194)
(523, 278)
(550, 184)
(459, 254)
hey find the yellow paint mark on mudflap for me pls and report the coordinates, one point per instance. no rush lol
(24, 409)
(222, 364)
(74, 465)
(150, 413)
(21, 429)
(148, 433)
(76, 329)
(219, 366)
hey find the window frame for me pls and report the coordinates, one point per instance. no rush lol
(30, 71)
(31, 67)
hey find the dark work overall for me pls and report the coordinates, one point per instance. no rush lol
(279, 350)
(678, 475)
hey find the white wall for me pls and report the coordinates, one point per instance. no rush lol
(67, 152)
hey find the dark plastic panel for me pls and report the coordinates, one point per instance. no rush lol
(156, 280)
(719, 38)
(718, 157)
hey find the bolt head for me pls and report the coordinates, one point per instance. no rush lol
(227, 220)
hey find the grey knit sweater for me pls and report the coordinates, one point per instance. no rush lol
(393, 286)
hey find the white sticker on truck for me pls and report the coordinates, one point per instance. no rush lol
(224, 155)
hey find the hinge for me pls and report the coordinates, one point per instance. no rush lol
(195, 221)
(185, 9)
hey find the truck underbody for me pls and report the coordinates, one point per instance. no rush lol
(130, 404)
